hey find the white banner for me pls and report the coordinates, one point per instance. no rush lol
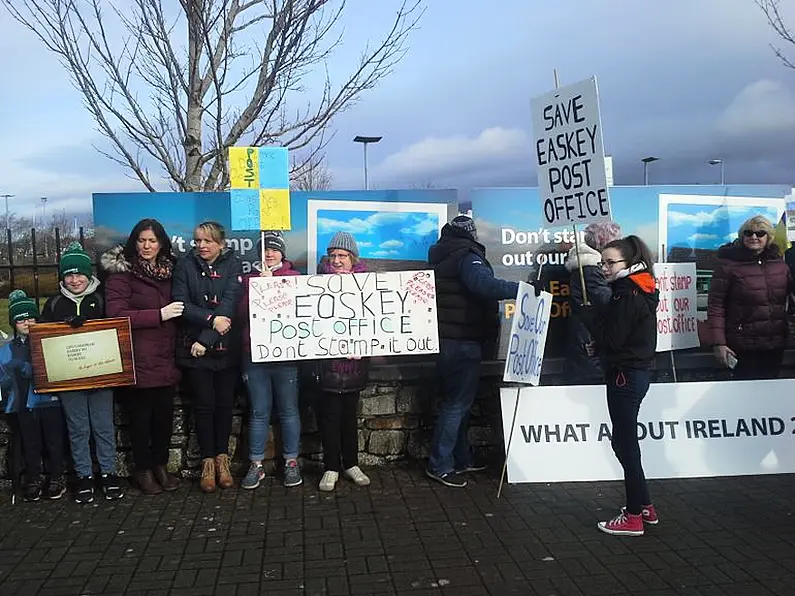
(570, 156)
(686, 430)
(676, 314)
(307, 317)
(529, 327)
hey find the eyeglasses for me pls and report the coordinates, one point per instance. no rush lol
(339, 255)
(607, 264)
(757, 233)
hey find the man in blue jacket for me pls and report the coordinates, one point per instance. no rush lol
(467, 303)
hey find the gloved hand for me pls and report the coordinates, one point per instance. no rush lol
(538, 286)
(75, 321)
(172, 311)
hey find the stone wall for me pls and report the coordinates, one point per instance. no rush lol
(396, 414)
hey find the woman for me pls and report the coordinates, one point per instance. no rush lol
(139, 287)
(747, 303)
(208, 280)
(581, 351)
(625, 329)
(270, 382)
(341, 381)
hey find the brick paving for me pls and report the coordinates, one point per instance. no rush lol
(405, 535)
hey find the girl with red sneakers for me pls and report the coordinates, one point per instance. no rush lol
(625, 333)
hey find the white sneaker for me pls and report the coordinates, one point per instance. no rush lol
(355, 473)
(328, 481)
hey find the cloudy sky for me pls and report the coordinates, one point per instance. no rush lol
(683, 80)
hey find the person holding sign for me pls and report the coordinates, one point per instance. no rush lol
(747, 303)
(139, 287)
(89, 413)
(467, 301)
(341, 381)
(270, 383)
(581, 350)
(209, 282)
(625, 329)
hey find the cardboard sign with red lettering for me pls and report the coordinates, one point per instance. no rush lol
(676, 313)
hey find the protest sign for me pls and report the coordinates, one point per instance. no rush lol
(789, 203)
(677, 327)
(259, 178)
(310, 317)
(570, 157)
(528, 336)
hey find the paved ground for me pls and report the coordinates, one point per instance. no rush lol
(405, 535)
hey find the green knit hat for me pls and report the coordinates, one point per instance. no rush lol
(21, 307)
(75, 260)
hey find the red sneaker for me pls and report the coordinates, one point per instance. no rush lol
(624, 524)
(649, 514)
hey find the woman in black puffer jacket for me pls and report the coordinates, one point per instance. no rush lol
(209, 281)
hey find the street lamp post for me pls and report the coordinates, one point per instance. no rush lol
(646, 161)
(365, 141)
(6, 197)
(715, 162)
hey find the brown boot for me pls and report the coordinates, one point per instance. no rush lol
(166, 480)
(146, 482)
(207, 482)
(225, 479)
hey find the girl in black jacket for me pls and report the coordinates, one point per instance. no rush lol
(208, 280)
(625, 331)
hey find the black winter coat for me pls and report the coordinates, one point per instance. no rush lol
(625, 329)
(584, 368)
(61, 307)
(747, 308)
(208, 291)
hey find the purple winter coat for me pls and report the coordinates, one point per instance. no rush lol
(141, 299)
(747, 307)
(340, 375)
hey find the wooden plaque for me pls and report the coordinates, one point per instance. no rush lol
(96, 355)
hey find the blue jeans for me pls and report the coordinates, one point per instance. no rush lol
(270, 383)
(625, 392)
(90, 413)
(458, 366)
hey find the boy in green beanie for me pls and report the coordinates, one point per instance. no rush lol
(38, 418)
(88, 412)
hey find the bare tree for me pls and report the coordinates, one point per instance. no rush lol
(772, 11)
(311, 174)
(181, 103)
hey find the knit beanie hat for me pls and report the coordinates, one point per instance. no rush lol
(273, 240)
(344, 241)
(74, 260)
(21, 307)
(466, 223)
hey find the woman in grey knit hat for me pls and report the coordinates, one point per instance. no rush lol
(341, 381)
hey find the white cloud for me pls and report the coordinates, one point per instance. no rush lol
(385, 253)
(730, 237)
(702, 218)
(391, 244)
(762, 106)
(434, 156)
(421, 228)
(359, 225)
(364, 244)
(693, 238)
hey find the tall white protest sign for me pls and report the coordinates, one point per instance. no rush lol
(331, 316)
(528, 336)
(676, 313)
(570, 156)
(789, 206)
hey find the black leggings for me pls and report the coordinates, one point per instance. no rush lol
(213, 399)
(337, 418)
(151, 419)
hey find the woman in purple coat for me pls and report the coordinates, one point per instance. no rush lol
(139, 287)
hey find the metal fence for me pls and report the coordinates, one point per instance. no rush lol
(29, 259)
